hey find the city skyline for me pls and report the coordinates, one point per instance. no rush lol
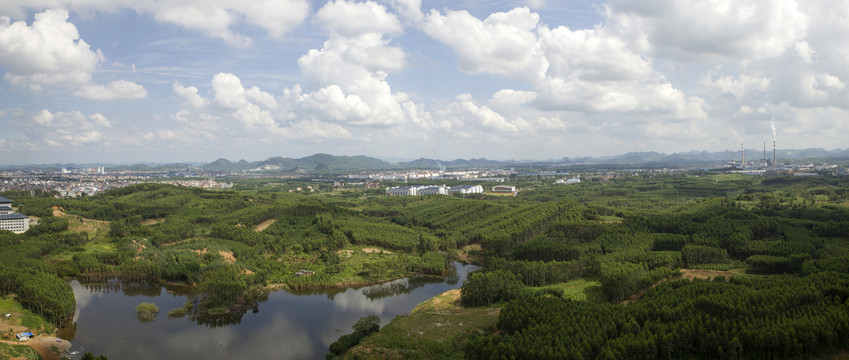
(174, 81)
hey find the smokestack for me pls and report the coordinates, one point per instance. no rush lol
(743, 153)
(765, 160)
(774, 163)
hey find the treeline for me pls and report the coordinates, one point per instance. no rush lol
(23, 272)
(764, 318)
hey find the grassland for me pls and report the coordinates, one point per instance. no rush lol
(436, 329)
(578, 290)
(17, 352)
(20, 319)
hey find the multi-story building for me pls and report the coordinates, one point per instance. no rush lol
(433, 190)
(10, 220)
(465, 189)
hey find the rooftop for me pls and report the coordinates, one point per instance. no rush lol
(13, 216)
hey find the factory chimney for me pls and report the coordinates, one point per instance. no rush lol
(743, 153)
(774, 163)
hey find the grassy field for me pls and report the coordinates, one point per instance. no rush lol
(20, 319)
(17, 352)
(579, 290)
(436, 329)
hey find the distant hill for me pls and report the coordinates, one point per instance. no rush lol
(327, 162)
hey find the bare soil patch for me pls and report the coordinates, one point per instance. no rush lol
(139, 247)
(81, 224)
(463, 254)
(228, 256)
(148, 222)
(375, 250)
(345, 253)
(264, 225)
(691, 274)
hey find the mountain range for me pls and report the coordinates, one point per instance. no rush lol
(327, 162)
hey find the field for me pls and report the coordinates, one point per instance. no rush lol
(436, 329)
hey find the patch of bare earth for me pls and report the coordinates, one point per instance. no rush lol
(81, 224)
(148, 222)
(463, 254)
(228, 256)
(264, 225)
(375, 250)
(139, 247)
(691, 274)
(345, 253)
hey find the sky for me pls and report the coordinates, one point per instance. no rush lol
(116, 81)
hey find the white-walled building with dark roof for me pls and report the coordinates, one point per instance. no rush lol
(10, 220)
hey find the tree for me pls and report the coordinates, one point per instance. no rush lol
(367, 324)
(146, 312)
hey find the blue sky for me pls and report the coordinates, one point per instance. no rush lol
(190, 80)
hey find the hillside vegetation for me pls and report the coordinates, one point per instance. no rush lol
(561, 261)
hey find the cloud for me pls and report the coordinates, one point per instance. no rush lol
(213, 18)
(49, 52)
(121, 89)
(68, 129)
(190, 94)
(410, 10)
(229, 91)
(348, 74)
(697, 30)
(503, 43)
(251, 111)
(739, 87)
(572, 70)
(353, 19)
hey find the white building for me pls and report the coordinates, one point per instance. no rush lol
(465, 189)
(503, 189)
(402, 191)
(567, 181)
(433, 190)
(10, 220)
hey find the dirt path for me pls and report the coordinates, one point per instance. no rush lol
(264, 225)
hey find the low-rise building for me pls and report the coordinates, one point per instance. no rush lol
(503, 189)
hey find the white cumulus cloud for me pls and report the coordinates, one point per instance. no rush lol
(214, 18)
(48, 52)
(121, 89)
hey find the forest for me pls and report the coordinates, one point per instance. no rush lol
(700, 264)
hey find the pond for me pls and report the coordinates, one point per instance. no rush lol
(288, 325)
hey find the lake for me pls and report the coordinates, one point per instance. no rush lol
(288, 325)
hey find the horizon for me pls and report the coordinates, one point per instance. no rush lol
(783, 154)
(524, 80)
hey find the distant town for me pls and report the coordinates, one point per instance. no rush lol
(74, 182)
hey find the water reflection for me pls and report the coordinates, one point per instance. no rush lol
(285, 325)
(399, 287)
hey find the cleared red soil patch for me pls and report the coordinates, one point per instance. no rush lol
(264, 225)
